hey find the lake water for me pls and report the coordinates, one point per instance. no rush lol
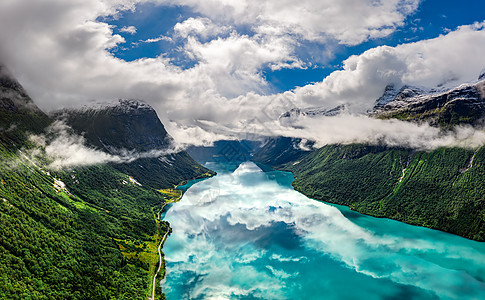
(246, 234)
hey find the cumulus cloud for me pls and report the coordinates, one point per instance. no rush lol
(128, 29)
(364, 77)
(59, 53)
(349, 22)
(203, 27)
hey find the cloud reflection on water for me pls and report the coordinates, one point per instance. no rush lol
(243, 235)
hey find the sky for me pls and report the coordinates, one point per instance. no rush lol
(219, 69)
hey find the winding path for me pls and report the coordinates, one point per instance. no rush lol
(157, 218)
(159, 263)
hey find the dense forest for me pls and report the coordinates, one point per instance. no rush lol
(443, 189)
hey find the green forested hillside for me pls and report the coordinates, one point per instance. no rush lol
(443, 189)
(59, 243)
(79, 233)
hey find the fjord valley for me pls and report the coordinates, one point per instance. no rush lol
(85, 192)
(83, 231)
(315, 149)
(90, 229)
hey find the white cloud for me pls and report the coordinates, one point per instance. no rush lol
(128, 29)
(69, 150)
(428, 63)
(349, 22)
(158, 39)
(348, 129)
(66, 149)
(58, 52)
(202, 27)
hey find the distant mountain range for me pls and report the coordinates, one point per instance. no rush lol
(462, 105)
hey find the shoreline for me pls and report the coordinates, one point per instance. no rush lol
(368, 213)
(169, 231)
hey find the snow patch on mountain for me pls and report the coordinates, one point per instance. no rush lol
(120, 105)
(291, 116)
(389, 95)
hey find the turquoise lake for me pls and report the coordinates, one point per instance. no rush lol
(246, 234)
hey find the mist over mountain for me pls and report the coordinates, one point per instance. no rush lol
(126, 124)
(132, 133)
(462, 105)
(19, 116)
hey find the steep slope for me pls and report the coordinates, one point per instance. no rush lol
(18, 114)
(278, 151)
(132, 128)
(126, 124)
(443, 189)
(61, 238)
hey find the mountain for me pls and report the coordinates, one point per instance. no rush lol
(130, 126)
(290, 117)
(86, 232)
(442, 189)
(18, 113)
(125, 124)
(462, 105)
(224, 151)
(482, 75)
(278, 151)
(391, 93)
